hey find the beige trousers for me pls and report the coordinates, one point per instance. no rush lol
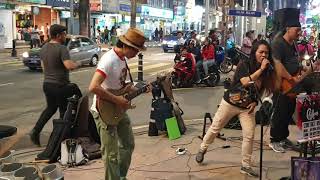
(223, 115)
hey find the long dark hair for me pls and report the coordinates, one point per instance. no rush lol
(253, 61)
(269, 78)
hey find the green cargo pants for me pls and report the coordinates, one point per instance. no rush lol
(117, 144)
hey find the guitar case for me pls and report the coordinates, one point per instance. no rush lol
(61, 130)
(77, 123)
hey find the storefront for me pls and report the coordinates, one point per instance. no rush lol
(153, 18)
(125, 11)
(60, 14)
(101, 21)
(178, 19)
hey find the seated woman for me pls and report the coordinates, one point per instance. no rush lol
(207, 55)
(242, 98)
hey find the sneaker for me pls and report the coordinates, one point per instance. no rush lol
(286, 143)
(249, 171)
(200, 156)
(198, 81)
(277, 147)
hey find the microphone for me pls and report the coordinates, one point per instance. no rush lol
(270, 67)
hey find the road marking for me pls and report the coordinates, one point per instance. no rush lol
(6, 84)
(160, 54)
(135, 64)
(76, 72)
(10, 62)
(162, 71)
(151, 67)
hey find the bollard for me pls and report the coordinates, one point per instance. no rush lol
(140, 67)
(14, 51)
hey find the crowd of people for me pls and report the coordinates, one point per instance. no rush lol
(35, 35)
(260, 75)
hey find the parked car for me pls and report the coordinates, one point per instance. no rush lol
(81, 49)
(169, 42)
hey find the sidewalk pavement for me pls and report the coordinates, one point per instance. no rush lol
(156, 158)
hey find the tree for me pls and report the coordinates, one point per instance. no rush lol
(84, 17)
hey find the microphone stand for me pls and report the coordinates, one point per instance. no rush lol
(256, 91)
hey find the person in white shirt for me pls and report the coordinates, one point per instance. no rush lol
(117, 141)
(180, 42)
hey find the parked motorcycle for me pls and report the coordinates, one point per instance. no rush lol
(184, 74)
(233, 57)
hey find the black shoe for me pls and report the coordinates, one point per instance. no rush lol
(35, 138)
(200, 156)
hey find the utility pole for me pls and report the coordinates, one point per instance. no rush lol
(133, 13)
(71, 16)
(207, 3)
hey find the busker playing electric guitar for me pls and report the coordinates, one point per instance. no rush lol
(108, 85)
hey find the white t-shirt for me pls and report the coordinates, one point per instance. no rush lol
(180, 41)
(114, 69)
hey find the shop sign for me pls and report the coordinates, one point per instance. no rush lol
(65, 14)
(155, 12)
(95, 5)
(179, 10)
(127, 8)
(58, 3)
(110, 6)
(6, 6)
(33, 1)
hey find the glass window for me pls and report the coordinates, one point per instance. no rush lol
(86, 42)
(75, 43)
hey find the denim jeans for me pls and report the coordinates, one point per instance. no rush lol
(223, 115)
(206, 64)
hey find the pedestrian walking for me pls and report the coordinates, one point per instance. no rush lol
(117, 141)
(241, 99)
(35, 37)
(113, 34)
(247, 43)
(56, 64)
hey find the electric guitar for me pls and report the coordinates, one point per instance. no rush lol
(109, 112)
(287, 85)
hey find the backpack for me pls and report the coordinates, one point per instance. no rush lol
(72, 153)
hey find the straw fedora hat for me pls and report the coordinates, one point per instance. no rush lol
(134, 38)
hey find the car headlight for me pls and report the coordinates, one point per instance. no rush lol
(164, 42)
(25, 54)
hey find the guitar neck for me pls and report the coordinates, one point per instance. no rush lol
(143, 89)
(136, 93)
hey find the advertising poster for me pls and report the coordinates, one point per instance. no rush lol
(6, 29)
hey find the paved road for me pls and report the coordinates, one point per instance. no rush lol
(22, 99)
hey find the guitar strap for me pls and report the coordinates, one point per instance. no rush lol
(129, 71)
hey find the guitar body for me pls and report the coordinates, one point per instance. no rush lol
(110, 113)
(286, 86)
